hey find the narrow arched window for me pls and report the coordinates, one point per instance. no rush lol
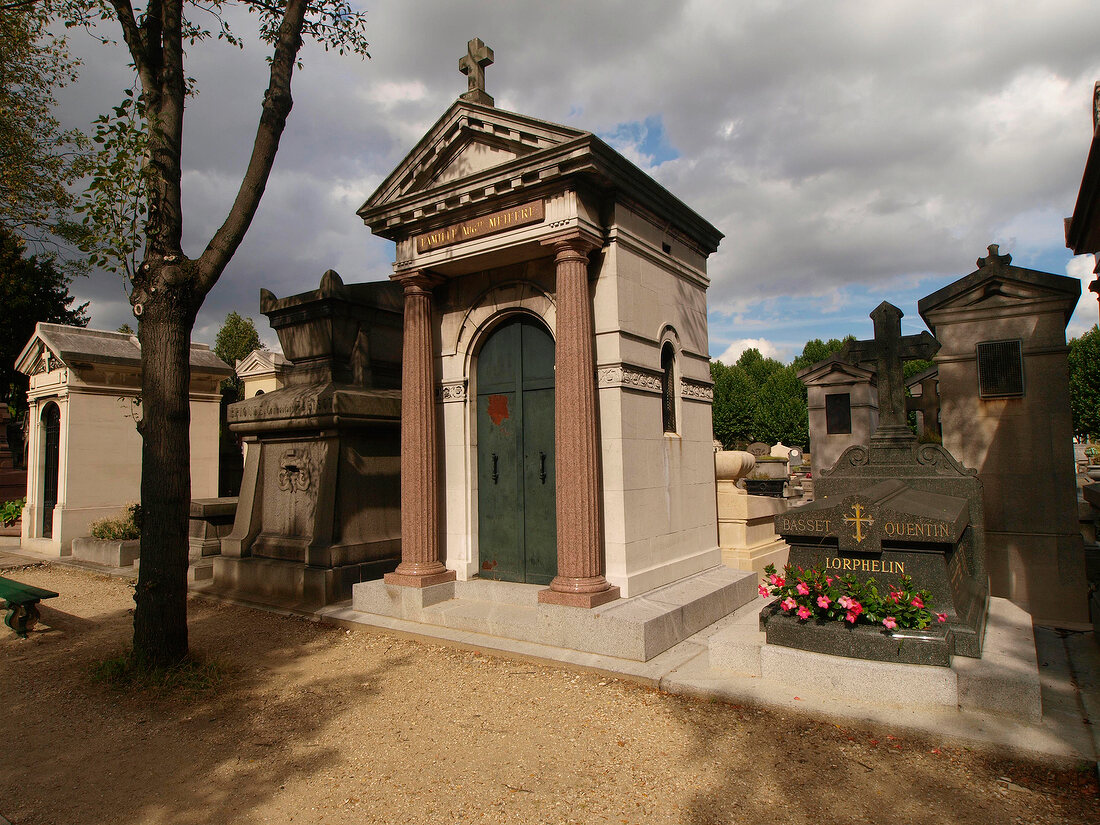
(668, 387)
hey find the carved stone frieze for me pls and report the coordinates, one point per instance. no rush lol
(696, 390)
(451, 391)
(629, 376)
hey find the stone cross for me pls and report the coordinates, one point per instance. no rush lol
(886, 353)
(928, 405)
(478, 56)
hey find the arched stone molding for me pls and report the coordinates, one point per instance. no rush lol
(670, 338)
(492, 306)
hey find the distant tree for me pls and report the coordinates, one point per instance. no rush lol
(756, 366)
(126, 328)
(781, 413)
(32, 289)
(38, 159)
(734, 404)
(1084, 383)
(818, 350)
(235, 340)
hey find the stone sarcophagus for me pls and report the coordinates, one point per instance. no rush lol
(319, 508)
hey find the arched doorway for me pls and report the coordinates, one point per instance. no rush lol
(51, 444)
(517, 524)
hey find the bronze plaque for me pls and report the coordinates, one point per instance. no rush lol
(501, 221)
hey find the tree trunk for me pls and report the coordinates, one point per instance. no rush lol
(160, 618)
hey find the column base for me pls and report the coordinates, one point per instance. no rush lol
(583, 600)
(419, 579)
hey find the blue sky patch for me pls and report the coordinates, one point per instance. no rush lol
(647, 136)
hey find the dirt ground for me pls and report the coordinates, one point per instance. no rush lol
(318, 724)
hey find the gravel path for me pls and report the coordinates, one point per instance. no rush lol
(318, 724)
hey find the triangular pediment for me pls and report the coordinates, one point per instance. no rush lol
(37, 358)
(467, 140)
(834, 370)
(260, 362)
(996, 284)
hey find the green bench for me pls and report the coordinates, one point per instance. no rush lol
(22, 604)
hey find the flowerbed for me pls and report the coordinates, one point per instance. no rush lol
(814, 594)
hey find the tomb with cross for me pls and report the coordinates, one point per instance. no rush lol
(886, 353)
(891, 508)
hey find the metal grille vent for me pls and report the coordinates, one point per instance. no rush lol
(1000, 369)
(668, 387)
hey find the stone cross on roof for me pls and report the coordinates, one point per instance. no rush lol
(887, 352)
(478, 56)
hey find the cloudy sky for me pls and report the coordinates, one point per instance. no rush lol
(851, 152)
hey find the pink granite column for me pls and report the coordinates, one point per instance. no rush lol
(420, 565)
(580, 581)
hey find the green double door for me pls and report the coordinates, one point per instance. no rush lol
(517, 525)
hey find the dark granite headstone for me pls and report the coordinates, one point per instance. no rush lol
(893, 508)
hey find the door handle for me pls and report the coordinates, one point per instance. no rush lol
(542, 467)
(496, 475)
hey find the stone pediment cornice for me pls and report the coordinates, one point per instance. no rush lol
(997, 285)
(396, 212)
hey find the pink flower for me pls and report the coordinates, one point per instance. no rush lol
(889, 623)
(804, 612)
(844, 602)
(788, 603)
(823, 601)
(894, 596)
(763, 591)
(829, 580)
(941, 617)
(854, 607)
(777, 580)
(917, 602)
(803, 589)
(850, 617)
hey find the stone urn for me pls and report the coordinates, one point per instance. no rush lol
(733, 465)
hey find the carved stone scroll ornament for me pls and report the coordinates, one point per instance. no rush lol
(626, 375)
(451, 391)
(294, 471)
(696, 390)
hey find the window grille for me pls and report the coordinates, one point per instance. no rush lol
(668, 387)
(1000, 369)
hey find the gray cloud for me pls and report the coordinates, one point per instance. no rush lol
(867, 144)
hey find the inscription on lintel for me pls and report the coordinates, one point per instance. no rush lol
(506, 219)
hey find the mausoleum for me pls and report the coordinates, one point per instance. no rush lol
(84, 450)
(556, 391)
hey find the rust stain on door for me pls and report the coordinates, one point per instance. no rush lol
(498, 408)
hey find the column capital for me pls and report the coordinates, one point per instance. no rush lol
(417, 281)
(573, 245)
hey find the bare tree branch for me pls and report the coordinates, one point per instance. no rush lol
(276, 107)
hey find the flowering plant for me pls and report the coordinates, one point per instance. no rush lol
(817, 594)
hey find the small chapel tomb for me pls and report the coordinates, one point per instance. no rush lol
(84, 452)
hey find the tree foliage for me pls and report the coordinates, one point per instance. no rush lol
(236, 339)
(32, 289)
(38, 159)
(1084, 383)
(169, 285)
(760, 399)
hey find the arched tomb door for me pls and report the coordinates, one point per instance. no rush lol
(51, 445)
(517, 524)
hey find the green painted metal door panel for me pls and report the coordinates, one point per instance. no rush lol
(517, 535)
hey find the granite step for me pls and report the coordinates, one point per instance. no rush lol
(637, 628)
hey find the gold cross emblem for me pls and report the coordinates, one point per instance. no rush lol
(859, 519)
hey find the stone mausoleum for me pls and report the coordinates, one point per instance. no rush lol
(85, 389)
(556, 392)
